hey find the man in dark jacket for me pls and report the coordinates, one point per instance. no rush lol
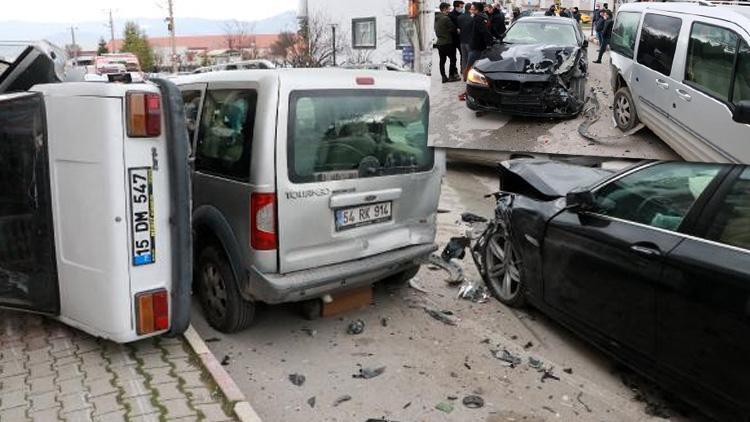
(465, 25)
(444, 30)
(457, 11)
(552, 11)
(481, 38)
(577, 14)
(497, 22)
(607, 25)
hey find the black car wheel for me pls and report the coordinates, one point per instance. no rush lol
(223, 306)
(624, 110)
(503, 271)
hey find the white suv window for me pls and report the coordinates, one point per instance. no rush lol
(658, 42)
(742, 75)
(711, 59)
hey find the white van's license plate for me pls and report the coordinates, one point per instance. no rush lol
(349, 218)
(143, 230)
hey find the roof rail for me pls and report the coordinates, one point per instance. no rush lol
(713, 3)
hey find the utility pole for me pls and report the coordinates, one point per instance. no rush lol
(112, 32)
(173, 41)
(74, 47)
(333, 29)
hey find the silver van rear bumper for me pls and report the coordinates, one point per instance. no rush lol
(313, 283)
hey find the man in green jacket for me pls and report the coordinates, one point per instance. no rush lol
(444, 29)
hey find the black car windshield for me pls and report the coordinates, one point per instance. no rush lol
(336, 135)
(541, 33)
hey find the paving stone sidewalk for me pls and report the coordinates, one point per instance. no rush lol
(51, 372)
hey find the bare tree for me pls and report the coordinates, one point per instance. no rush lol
(315, 43)
(237, 34)
(285, 46)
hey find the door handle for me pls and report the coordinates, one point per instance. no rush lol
(649, 251)
(684, 95)
(662, 84)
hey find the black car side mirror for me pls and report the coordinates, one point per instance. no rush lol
(580, 200)
(742, 112)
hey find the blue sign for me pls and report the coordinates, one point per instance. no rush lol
(407, 54)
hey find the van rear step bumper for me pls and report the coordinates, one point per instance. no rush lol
(313, 283)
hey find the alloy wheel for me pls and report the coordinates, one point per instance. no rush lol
(622, 111)
(214, 291)
(503, 267)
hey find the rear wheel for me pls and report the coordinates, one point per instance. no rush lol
(222, 303)
(624, 110)
(503, 270)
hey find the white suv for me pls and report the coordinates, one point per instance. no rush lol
(683, 69)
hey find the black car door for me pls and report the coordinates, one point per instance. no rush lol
(601, 267)
(704, 307)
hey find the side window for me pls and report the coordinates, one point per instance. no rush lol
(624, 32)
(226, 133)
(659, 196)
(658, 42)
(731, 225)
(742, 75)
(710, 59)
(192, 101)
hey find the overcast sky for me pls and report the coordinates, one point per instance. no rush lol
(73, 11)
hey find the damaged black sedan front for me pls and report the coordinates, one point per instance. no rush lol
(539, 69)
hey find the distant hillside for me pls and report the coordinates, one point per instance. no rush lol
(88, 33)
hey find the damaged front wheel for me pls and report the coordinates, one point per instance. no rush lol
(624, 110)
(502, 270)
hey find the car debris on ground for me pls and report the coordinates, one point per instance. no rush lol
(473, 291)
(367, 373)
(311, 401)
(355, 327)
(444, 407)
(446, 317)
(341, 399)
(473, 402)
(297, 379)
(507, 357)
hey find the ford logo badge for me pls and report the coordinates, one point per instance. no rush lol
(370, 198)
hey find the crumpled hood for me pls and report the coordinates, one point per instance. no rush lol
(553, 179)
(527, 58)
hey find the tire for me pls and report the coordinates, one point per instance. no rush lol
(403, 277)
(623, 108)
(222, 303)
(503, 277)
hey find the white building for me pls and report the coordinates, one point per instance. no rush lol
(371, 31)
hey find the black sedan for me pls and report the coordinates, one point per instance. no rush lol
(539, 69)
(651, 264)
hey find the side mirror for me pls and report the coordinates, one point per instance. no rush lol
(742, 112)
(581, 200)
(585, 43)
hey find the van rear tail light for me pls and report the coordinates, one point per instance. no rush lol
(144, 115)
(152, 311)
(263, 221)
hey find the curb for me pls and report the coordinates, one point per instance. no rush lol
(241, 407)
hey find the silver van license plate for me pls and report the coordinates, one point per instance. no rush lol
(349, 218)
(143, 230)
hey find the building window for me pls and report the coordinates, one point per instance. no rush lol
(364, 33)
(403, 29)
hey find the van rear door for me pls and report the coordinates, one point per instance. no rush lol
(355, 174)
(28, 277)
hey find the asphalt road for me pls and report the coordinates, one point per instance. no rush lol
(453, 125)
(426, 362)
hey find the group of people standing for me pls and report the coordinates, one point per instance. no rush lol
(573, 13)
(466, 30)
(603, 23)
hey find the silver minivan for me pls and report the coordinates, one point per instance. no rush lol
(683, 69)
(307, 183)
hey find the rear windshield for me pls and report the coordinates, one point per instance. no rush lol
(337, 135)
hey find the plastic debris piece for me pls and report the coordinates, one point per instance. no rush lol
(568, 370)
(549, 375)
(211, 340)
(355, 327)
(367, 373)
(311, 401)
(473, 291)
(442, 316)
(384, 321)
(310, 331)
(413, 284)
(473, 402)
(444, 407)
(406, 405)
(456, 273)
(507, 357)
(225, 360)
(455, 249)
(585, 406)
(297, 379)
(535, 363)
(342, 399)
(528, 345)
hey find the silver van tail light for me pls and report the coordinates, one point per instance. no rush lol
(144, 115)
(263, 221)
